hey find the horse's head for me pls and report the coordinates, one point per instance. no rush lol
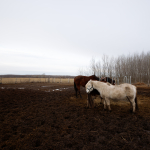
(94, 77)
(89, 86)
(102, 79)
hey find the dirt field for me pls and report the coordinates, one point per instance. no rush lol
(46, 116)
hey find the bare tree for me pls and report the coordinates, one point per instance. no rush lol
(93, 66)
(98, 69)
(137, 66)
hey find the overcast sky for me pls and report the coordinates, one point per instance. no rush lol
(57, 37)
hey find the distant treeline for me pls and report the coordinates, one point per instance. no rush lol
(137, 66)
(35, 76)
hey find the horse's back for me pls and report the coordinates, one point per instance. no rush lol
(107, 79)
(128, 86)
(79, 80)
(80, 77)
(82, 80)
(118, 91)
(128, 89)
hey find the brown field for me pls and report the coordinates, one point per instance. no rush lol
(36, 80)
(46, 116)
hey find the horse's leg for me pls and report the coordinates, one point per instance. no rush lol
(87, 103)
(88, 97)
(90, 101)
(105, 107)
(78, 89)
(131, 104)
(93, 101)
(75, 87)
(108, 103)
(101, 100)
(76, 95)
(80, 94)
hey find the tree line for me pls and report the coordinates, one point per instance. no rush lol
(137, 66)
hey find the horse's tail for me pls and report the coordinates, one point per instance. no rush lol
(75, 87)
(136, 104)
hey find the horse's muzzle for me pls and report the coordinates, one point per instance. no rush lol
(89, 90)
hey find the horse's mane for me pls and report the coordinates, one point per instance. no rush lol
(108, 83)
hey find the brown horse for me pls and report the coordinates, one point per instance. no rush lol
(81, 81)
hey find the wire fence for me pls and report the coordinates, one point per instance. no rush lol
(130, 80)
(125, 79)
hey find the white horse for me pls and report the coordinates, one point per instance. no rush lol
(114, 92)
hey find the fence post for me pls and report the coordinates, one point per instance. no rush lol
(130, 79)
(1, 80)
(125, 79)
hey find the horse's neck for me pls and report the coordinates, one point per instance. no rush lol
(98, 85)
(95, 85)
(86, 79)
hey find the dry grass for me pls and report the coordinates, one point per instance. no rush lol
(140, 84)
(36, 80)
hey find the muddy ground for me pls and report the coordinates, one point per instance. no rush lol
(46, 116)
